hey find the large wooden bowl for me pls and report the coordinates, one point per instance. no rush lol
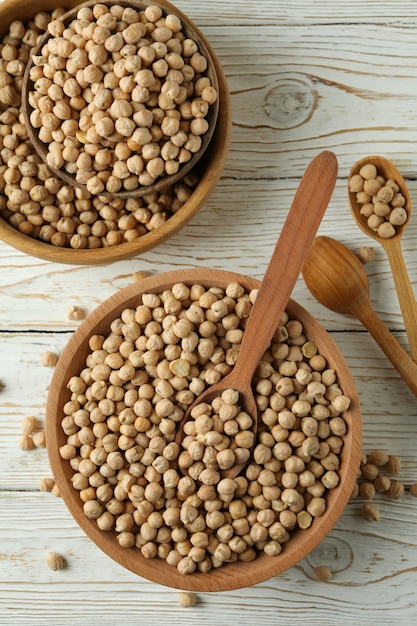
(233, 575)
(209, 168)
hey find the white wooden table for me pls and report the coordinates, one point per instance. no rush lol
(303, 77)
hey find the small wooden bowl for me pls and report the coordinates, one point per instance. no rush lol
(210, 168)
(233, 575)
(162, 183)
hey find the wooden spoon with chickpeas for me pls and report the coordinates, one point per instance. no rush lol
(338, 280)
(381, 205)
(232, 397)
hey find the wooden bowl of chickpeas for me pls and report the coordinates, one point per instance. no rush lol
(44, 210)
(116, 400)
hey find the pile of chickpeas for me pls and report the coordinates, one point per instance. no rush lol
(382, 203)
(169, 500)
(38, 203)
(219, 437)
(120, 96)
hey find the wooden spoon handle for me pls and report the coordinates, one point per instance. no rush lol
(405, 291)
(389, 345)
(292, 248)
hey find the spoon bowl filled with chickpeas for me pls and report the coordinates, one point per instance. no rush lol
(381, 206)
(232, 398)
(106, 158)
(118, 395)
(120, 97)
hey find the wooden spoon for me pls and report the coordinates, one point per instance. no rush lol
(392, 246)
(338, 280)
(303, 220)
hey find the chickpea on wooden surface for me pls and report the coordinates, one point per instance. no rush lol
(126, 82)
(125, 406)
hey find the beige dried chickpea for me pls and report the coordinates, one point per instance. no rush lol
(187, 599)
(370, 512)
(174, 502)
(49, 359)
(55, 561)
(46, 484)
(30, 424)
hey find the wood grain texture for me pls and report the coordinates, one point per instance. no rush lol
(303, 77)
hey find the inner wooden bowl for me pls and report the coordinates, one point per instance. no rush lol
(209, 168)
(165, 181)
(233, 575)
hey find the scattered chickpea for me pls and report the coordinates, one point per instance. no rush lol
(39, 439)
(60, 215)
(55, 561)
(322, 573)
(382, 483)
(139, 276)
(75, 313)
(46, 484)
(29, 424)
(393, 465)
(372, 480)
(396, 489)
(366, 254)
(366, 490)
(413, 490)
(26, 443)
(49, 359)
(378, 458)
(370, 513)
(161, 61)
(55, 491)
(187, 599)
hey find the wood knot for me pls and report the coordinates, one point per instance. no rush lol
(290, 101)
(333, 553)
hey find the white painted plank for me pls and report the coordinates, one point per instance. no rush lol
(92, 589)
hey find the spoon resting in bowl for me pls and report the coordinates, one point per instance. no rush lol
(337, 279)
(298, 232)
(391, 245)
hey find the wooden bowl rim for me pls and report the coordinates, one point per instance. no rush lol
(234, 575)
(212, 168)
(162, 183)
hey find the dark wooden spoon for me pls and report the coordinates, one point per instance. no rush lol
(291, 250)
